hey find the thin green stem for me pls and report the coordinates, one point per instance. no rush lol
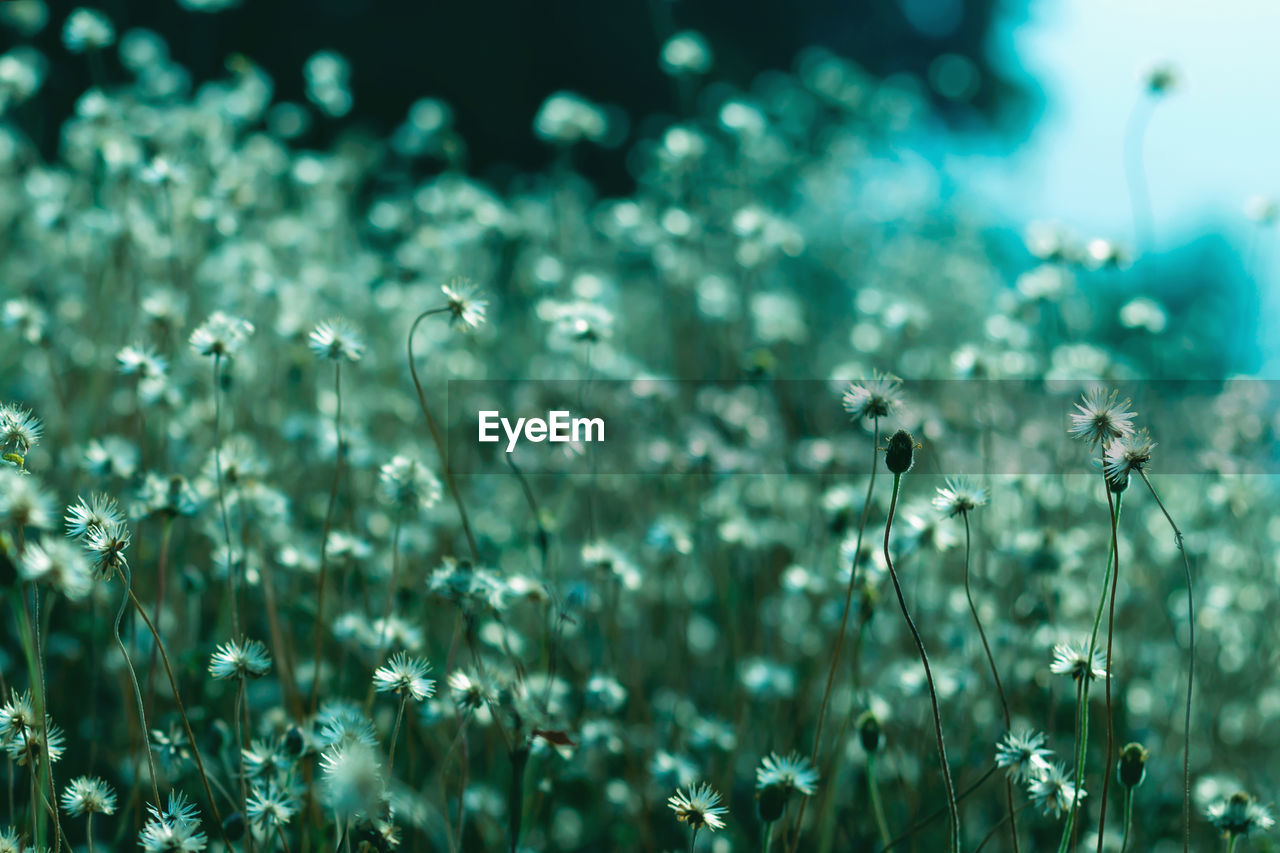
(240, 745)
(222, 498)
(954, 839)
(395, 734)
(438, 439)
(1191, 668)
(1128, 818)
(930, 818)
(324, 540)
(877, 807)
(693, 840)
(133, 677)
(1111, 623)
(838, 647)
(995, 674)
(766, 836)
(182, 711)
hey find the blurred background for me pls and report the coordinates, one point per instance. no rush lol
(1042, 110)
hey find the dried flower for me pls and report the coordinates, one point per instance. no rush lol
(240, 659)
(405, 675)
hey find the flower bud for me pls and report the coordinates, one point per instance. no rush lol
(869, 731)
(1132, 767)
(771, 802)
(900, 455)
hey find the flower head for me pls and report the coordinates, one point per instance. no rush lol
(1101, 418)
(699, 807)
(1053, 790)
(466, 308)
(176, 829)
(336, 340)
(1239, 814)
(405, 482)
(1127, 454)
(221, 335)
(959, 496)
(19, 429)
(1023, 755)
(1077, 661)
(792, 773)
(88, 795)
(872, 398)
(271, 806)
(59, 564)
(240, 659)
(405, 675)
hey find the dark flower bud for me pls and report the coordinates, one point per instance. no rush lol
(771, 802)
(294, 742)
(901, 453)
(1132, 767)
(233, 826)
(1118, 484)
(869, 731)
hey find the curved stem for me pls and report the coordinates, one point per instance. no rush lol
(954, 841)
(324, 540)
(1191, 670)
(838, 647)
(222, 499)
(1111, 623)
(182, 714)
(925, 821)
(133, 677)
(995, 674)
(438, 439)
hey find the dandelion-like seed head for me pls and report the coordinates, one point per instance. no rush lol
(1023, 755)
(1077, 661)
(793, 772)
(176, 829)
(99, 511)
(88, 795)
(470, 693)
(221, 335)
(959, 496)
(1128, 454)
(405, 675)
(872, 398)
(698, 807)
(20, 430)
(106, 545)
(270, 806)
(1239, 814)
(336, 340)
(1101, 418)
(405, 482)
(59, 564)
(240, 659)
(142, 361)
(466, 308)
(1053, 791)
